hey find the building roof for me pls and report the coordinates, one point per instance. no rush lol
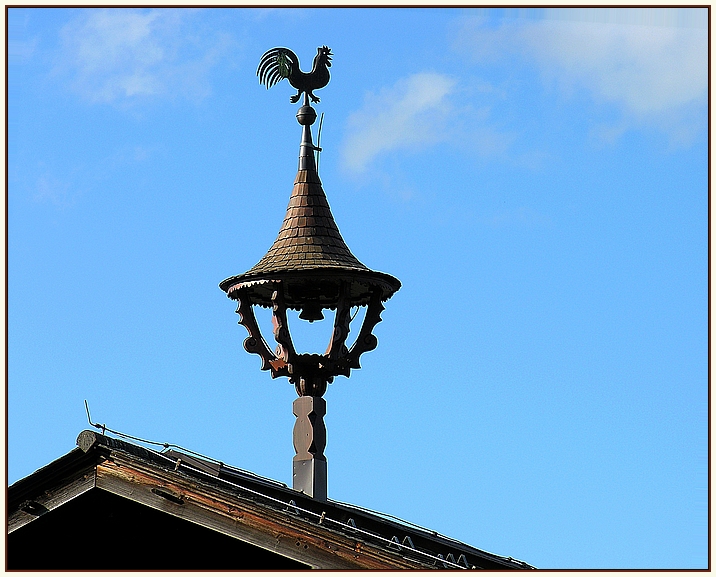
(209, 515)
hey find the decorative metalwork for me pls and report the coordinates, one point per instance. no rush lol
(279, 63)
(309, 268)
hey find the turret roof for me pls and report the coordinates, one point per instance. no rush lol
(309, 246)
(309, 237)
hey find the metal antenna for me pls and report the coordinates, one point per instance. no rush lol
(318, 145)
(89, 419)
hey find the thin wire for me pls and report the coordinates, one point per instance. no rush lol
(318, 145)
(322, 516)
(389, 516)
(169, 445)
(148, 442)
(283, 503)
(414, 525)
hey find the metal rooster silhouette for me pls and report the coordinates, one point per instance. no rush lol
(279, 63)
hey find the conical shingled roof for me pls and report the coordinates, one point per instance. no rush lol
(309, 237)
(309, 255)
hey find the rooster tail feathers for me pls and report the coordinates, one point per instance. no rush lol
(273, 77)
(275, 65)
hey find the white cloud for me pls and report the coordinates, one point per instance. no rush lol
(655, 74)
(409, 115)
(123, 54)
(648, 69)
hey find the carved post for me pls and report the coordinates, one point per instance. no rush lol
(310, 472)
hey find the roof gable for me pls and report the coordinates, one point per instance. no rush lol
(176, 493)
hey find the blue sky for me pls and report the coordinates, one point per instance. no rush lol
(536, 179)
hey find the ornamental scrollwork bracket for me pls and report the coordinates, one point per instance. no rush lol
(285, 352)
(310, 373)
(366, 340)
(255, 343)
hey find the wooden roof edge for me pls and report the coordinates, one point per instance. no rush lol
(383, 539)
(375, 522)
(66, 467)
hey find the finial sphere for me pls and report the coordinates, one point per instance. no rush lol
(279, 63)
(306, 115)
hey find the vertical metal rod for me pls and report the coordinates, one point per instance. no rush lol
(318, 144)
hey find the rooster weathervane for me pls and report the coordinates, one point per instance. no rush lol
(308, 269)
(279, 63)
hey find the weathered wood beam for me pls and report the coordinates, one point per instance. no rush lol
(271, 529)
(50, 499)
